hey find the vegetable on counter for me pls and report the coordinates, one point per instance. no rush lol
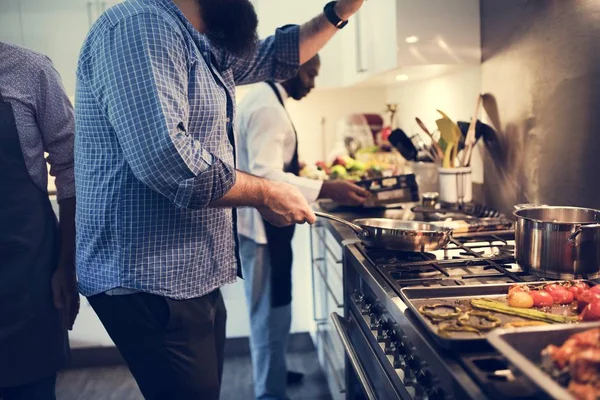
(497, 306)
(520, 299)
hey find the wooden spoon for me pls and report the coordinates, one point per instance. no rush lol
(470, 139)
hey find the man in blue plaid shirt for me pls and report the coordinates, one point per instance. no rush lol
(155, 176)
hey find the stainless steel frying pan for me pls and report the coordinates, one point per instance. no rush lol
(398, 235)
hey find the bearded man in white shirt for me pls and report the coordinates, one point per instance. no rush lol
(267, 146)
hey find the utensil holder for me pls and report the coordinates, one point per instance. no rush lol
(456, 185)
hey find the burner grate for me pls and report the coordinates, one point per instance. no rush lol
(466, 260)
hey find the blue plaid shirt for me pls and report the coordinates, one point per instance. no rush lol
(154, 129)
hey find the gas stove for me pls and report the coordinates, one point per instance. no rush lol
(392, 356)
(468, 260)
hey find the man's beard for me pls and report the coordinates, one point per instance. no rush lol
(231, 25)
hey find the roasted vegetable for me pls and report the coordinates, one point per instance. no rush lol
(562, 296)
(429, 310)
(585, 298)
(520, 300)
(541, 298)
(493, 321)
(445, 328)
(521, 324)
(591, 312)
(493, 305)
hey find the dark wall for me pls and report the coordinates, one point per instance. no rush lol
(541, 73)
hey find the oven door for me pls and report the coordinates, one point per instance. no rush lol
(366, 379)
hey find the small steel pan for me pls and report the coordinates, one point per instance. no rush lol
(397, 235)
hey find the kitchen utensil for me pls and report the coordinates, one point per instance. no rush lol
(415, 297)
(400, 140)
(558, 242)
(434, 143)
(394, 234)
(523, 348)
(456, 185)
(470, 139)
(450, 133)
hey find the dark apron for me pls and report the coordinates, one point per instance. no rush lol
(32, 344)
(279, 241)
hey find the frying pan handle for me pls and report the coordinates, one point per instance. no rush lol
(357, 229)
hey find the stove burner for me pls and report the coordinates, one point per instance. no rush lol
(415, 272)
(379, 256)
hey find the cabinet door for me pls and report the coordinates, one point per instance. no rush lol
(447, 32)
(383, 38)
(57, 29)
(10, 23)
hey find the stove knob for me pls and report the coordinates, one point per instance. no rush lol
(390, 347)
(424, 377)
(366, 310)
(382, 333)
(398, 360)
(414, 362)
(358, 297)
(375, 321)
(435, 394)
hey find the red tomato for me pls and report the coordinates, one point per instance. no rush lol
(591, 312)
(595, 289)
(578, 287)
(541, 298)
(586, 297)
(553, 286)
(562, 296)
(518, 288)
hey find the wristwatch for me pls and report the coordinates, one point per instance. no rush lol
(332, 16)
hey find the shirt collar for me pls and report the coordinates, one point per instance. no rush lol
(282, 92)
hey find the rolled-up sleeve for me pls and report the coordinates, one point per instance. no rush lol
(56, 121)
(276, 58)
(139, 73)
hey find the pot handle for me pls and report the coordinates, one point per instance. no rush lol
(528, 205)
(356, 228)
(578, 229)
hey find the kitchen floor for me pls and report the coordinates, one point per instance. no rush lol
(116, 383)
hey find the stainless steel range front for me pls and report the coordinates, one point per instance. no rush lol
(389, 355)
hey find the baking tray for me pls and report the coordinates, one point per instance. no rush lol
(415, 297)
(523, 349)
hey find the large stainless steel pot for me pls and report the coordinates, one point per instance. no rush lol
(558, 242)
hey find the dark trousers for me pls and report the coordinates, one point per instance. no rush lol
(174, 348)
(41, 390)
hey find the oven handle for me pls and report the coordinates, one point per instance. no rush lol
(338, 323)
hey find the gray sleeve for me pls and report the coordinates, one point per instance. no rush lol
(56, 121)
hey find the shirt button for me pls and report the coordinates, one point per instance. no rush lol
(228, 119)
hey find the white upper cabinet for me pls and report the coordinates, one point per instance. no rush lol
(386, 35)
(434, 32)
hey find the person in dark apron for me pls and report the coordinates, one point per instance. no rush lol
(38, 293)
(268, 147)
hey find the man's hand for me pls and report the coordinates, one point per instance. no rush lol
(347, 8)
(344, 192)
(64, 280)
(65, 295)
(284, 205)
